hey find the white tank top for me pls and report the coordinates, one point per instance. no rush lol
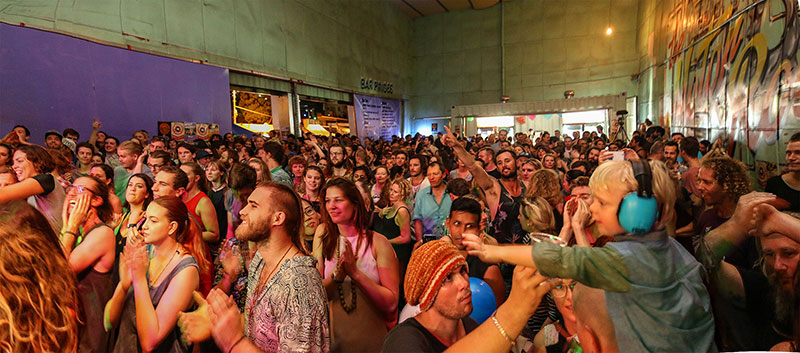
(364, 259)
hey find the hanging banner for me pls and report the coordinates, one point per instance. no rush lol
(377, 117)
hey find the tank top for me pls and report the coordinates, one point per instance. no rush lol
(365, 260)
(192, 206)
(363, 329)
(128, 338)
(94, 290)
(507, 229)
(206, 278)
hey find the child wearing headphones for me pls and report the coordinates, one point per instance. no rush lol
(653, 287)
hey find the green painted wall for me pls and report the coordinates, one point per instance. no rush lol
(549, 47)
(327, 42)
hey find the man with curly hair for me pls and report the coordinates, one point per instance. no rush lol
(721, 180)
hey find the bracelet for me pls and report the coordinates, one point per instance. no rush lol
(499, 328)
(236, 343)
(68, 232)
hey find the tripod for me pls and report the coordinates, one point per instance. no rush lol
(620, 129)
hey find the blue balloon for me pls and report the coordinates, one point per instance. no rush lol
(483, 302)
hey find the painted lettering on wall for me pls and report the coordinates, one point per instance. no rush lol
(377, 86)
(732, 73)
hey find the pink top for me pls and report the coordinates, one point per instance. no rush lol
(365, 260)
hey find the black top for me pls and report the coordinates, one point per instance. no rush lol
(495, 173)
(411, 336)
(777, 186)
(764, 329)
(46, 181)
(477, 268)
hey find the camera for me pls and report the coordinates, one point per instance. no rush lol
(621, 114)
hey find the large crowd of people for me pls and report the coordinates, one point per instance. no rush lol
(284, 243)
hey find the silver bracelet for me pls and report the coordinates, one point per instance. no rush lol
(502, 331)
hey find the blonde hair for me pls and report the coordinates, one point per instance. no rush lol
(38, 294)
(539, 212)
(405, 187)
(544, 182)
(266, 175)
(619, 176)
(130, 146)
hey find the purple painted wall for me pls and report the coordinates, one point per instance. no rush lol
(50, 81)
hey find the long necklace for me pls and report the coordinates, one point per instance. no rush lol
(151, 279)
(348, 308)
(264, 283)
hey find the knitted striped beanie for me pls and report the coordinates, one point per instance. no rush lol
(427, 269)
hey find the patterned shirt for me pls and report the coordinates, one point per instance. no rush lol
(280, 176)
(290, 314)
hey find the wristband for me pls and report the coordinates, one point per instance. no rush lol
(502, 331)
(234, 345)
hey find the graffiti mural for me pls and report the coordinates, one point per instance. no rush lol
(732, 74)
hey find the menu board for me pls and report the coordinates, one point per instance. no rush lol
(377, 117)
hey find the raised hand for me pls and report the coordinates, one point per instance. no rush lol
(581, 216)
(195, 326)
(73, 219)
(226, 320)
(229, 258)
(347, 258)
(476, 247)
(528, 287)
(136, 256)
(449, 139)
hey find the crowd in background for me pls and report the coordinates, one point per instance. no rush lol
(319, 243)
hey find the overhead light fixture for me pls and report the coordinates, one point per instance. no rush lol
(609, 31)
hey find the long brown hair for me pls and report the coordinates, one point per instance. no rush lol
(38, 294)
(105, 212)
(197, 170)
(188, 233)
(38, 156)
(361, 221)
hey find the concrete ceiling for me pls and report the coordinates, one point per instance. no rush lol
(420, 8)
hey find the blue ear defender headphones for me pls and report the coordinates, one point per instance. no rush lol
(638, 211)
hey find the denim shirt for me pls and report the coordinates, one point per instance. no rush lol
(430, 212)
(654, 291)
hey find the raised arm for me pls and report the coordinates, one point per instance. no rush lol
(95, 129)
(484, 180)
(720, 241)
(21, 190)
(153, 324)
(499, 333)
